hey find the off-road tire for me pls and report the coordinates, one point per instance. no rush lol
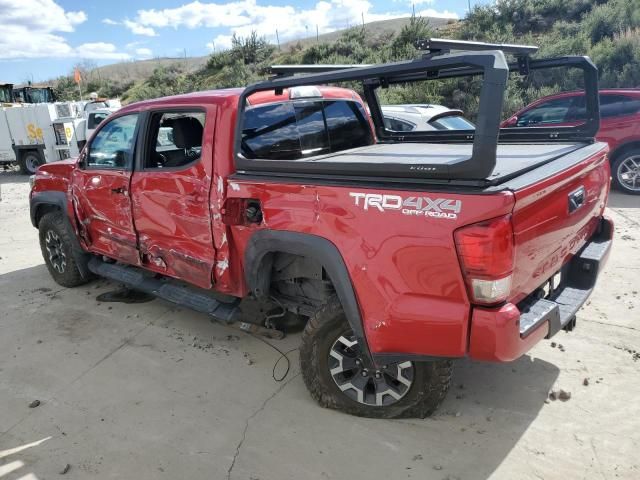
(616, 165)
(27, 160)
(430, 382)
(53, 225)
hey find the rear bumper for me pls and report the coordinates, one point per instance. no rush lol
(505, 333)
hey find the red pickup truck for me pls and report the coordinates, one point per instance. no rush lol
(399, 251)
(619, 127)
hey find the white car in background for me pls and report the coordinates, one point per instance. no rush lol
(424, 118)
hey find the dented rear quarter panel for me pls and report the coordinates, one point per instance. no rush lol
(404, 268)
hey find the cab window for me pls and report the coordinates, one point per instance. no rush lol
(547, 113)
(295, 130)
(113, 145)
(176, 139)
(347, 124)
(618, 105)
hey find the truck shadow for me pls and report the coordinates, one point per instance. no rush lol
(521, 386)
(488, 410)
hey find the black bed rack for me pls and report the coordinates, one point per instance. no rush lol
(443, 59)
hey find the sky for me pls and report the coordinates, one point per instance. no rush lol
(42, 39)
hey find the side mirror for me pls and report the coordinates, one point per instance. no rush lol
(82, 159)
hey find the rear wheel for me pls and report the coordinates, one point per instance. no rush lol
(29, 162)
(336, 373)
(625, 171)
(57, 250)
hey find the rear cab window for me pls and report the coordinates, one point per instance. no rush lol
(300, 129)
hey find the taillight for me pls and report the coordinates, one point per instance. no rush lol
(486, 252)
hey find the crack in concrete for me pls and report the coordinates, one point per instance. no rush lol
(588, 320)
(251, 417)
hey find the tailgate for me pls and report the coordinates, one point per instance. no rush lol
(554, 217)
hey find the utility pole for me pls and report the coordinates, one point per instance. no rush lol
(317, 34)
(469, 2)
(278, 39)
(362, 15)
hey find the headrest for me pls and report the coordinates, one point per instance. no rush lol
(187, 131)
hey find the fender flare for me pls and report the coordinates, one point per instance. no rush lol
(52, 198)
(622, 148)
(258, 269)
(59, 200)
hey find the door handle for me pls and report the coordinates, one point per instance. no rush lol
(576, 199)
(120, 190)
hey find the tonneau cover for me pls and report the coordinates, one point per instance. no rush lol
(398, 159)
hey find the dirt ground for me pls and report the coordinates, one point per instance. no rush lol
(153, 391)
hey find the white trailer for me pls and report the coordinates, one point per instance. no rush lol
(31, 130)
(33, 134)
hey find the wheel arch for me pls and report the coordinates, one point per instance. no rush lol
(624, 148)
(21, 150)
(258, 260)
(42, 203)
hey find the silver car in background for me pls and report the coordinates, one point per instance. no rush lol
(424, 117)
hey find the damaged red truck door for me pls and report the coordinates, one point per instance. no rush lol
(101, 190)
(170, 193)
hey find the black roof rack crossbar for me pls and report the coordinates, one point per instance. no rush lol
(288, 70)
(442, 45)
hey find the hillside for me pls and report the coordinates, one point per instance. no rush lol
(139, 70)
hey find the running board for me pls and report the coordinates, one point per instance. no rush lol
(167, 289)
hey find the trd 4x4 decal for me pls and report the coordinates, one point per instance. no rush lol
(416, 206)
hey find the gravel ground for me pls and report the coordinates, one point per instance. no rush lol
(150, 391)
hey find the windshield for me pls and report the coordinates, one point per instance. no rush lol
(96, 119)
(5, 95)
(39, 95)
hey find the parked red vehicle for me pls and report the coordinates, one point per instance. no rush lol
(398, 251)
(619, 127)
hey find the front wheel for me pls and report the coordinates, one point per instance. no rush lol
(57, 250)
(625, 171)
(337, 376)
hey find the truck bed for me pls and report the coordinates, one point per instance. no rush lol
(438, 160)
